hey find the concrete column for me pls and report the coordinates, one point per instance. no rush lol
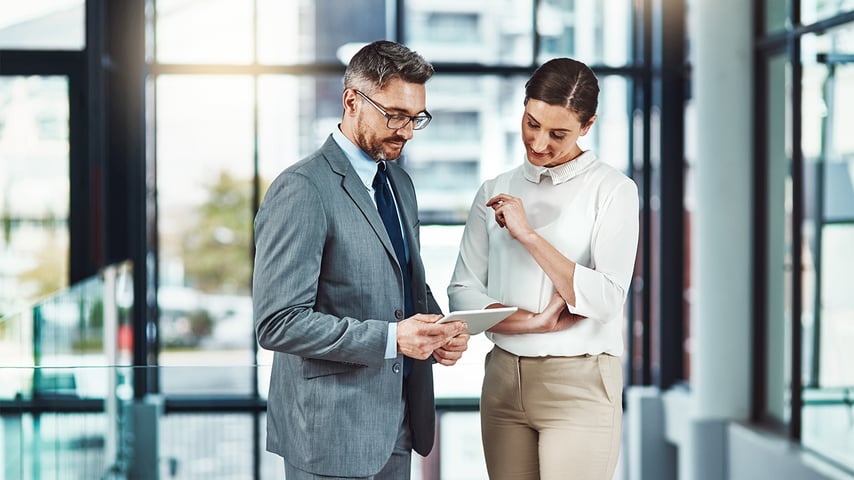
(720, 151)
(721, 58)
(145, 457)
(11, 450)
(649, 454)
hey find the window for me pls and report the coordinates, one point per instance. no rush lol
(817, 10)
(828, 233)
(34, 188)
(481, 32)
(192, 32)
(231, 112)
(597, 32)
(42, 25)
(778, 253)
(205, 184)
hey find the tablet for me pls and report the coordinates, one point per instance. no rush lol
(479, 320)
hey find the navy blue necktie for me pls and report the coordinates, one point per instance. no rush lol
(388, 212)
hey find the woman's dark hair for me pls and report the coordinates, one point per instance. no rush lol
(378, 62)
(568, 83)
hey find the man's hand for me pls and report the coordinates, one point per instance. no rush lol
(419, 336)
(449, 353)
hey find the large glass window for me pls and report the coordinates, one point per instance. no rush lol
(269, 96)
(815, 10)
(42, 24)
(317, 31)
(594, 32)
(500, 33)
(236, 91)
(307, 107)
(205, 183)
(206, 145)
(465, 144)
(210, 129)
(828, 231)
(34, 188)
(484, 32)
(776, 14)
(778, 252)
(192, 32)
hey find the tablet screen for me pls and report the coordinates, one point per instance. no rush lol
(479, 320)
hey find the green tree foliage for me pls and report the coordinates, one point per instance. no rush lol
(50, 273)
(217, 246)
(201, 323)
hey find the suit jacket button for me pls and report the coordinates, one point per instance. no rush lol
(395, 368)
(398, 314)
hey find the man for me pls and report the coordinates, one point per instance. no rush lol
(339, 291)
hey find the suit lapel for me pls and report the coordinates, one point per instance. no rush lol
(355, 189)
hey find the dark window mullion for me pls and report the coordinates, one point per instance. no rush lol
(759, 380)
(797, 166)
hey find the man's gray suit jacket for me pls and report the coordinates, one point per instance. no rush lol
(326, 284)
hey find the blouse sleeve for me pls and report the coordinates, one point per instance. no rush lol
(467, 290)
(601, 289)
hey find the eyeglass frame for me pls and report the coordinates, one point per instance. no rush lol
(389, 117)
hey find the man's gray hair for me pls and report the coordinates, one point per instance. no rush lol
(375, 64)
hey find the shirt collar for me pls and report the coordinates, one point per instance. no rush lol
(560, 173)
(365, 166)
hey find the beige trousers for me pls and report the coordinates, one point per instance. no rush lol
(551, 418)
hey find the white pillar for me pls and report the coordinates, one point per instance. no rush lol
(721, 58)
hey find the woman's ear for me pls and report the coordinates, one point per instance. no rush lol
(587, 127)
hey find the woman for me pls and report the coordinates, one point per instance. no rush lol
(555, 237)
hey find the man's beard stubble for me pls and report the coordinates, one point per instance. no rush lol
(375, 150)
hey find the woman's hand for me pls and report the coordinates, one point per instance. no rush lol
(555, 317)
(510, 214)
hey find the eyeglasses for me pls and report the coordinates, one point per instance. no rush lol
(398, 121)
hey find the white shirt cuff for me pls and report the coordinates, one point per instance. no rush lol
(391, 342)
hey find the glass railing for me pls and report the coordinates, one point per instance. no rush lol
(64, 374)
(66, 435)
(68, 407)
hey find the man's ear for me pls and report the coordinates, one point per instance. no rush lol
(587, 127)
(348, 101)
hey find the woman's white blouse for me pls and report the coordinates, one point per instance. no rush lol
(586, 209)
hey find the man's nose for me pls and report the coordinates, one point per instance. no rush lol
(407, 130)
